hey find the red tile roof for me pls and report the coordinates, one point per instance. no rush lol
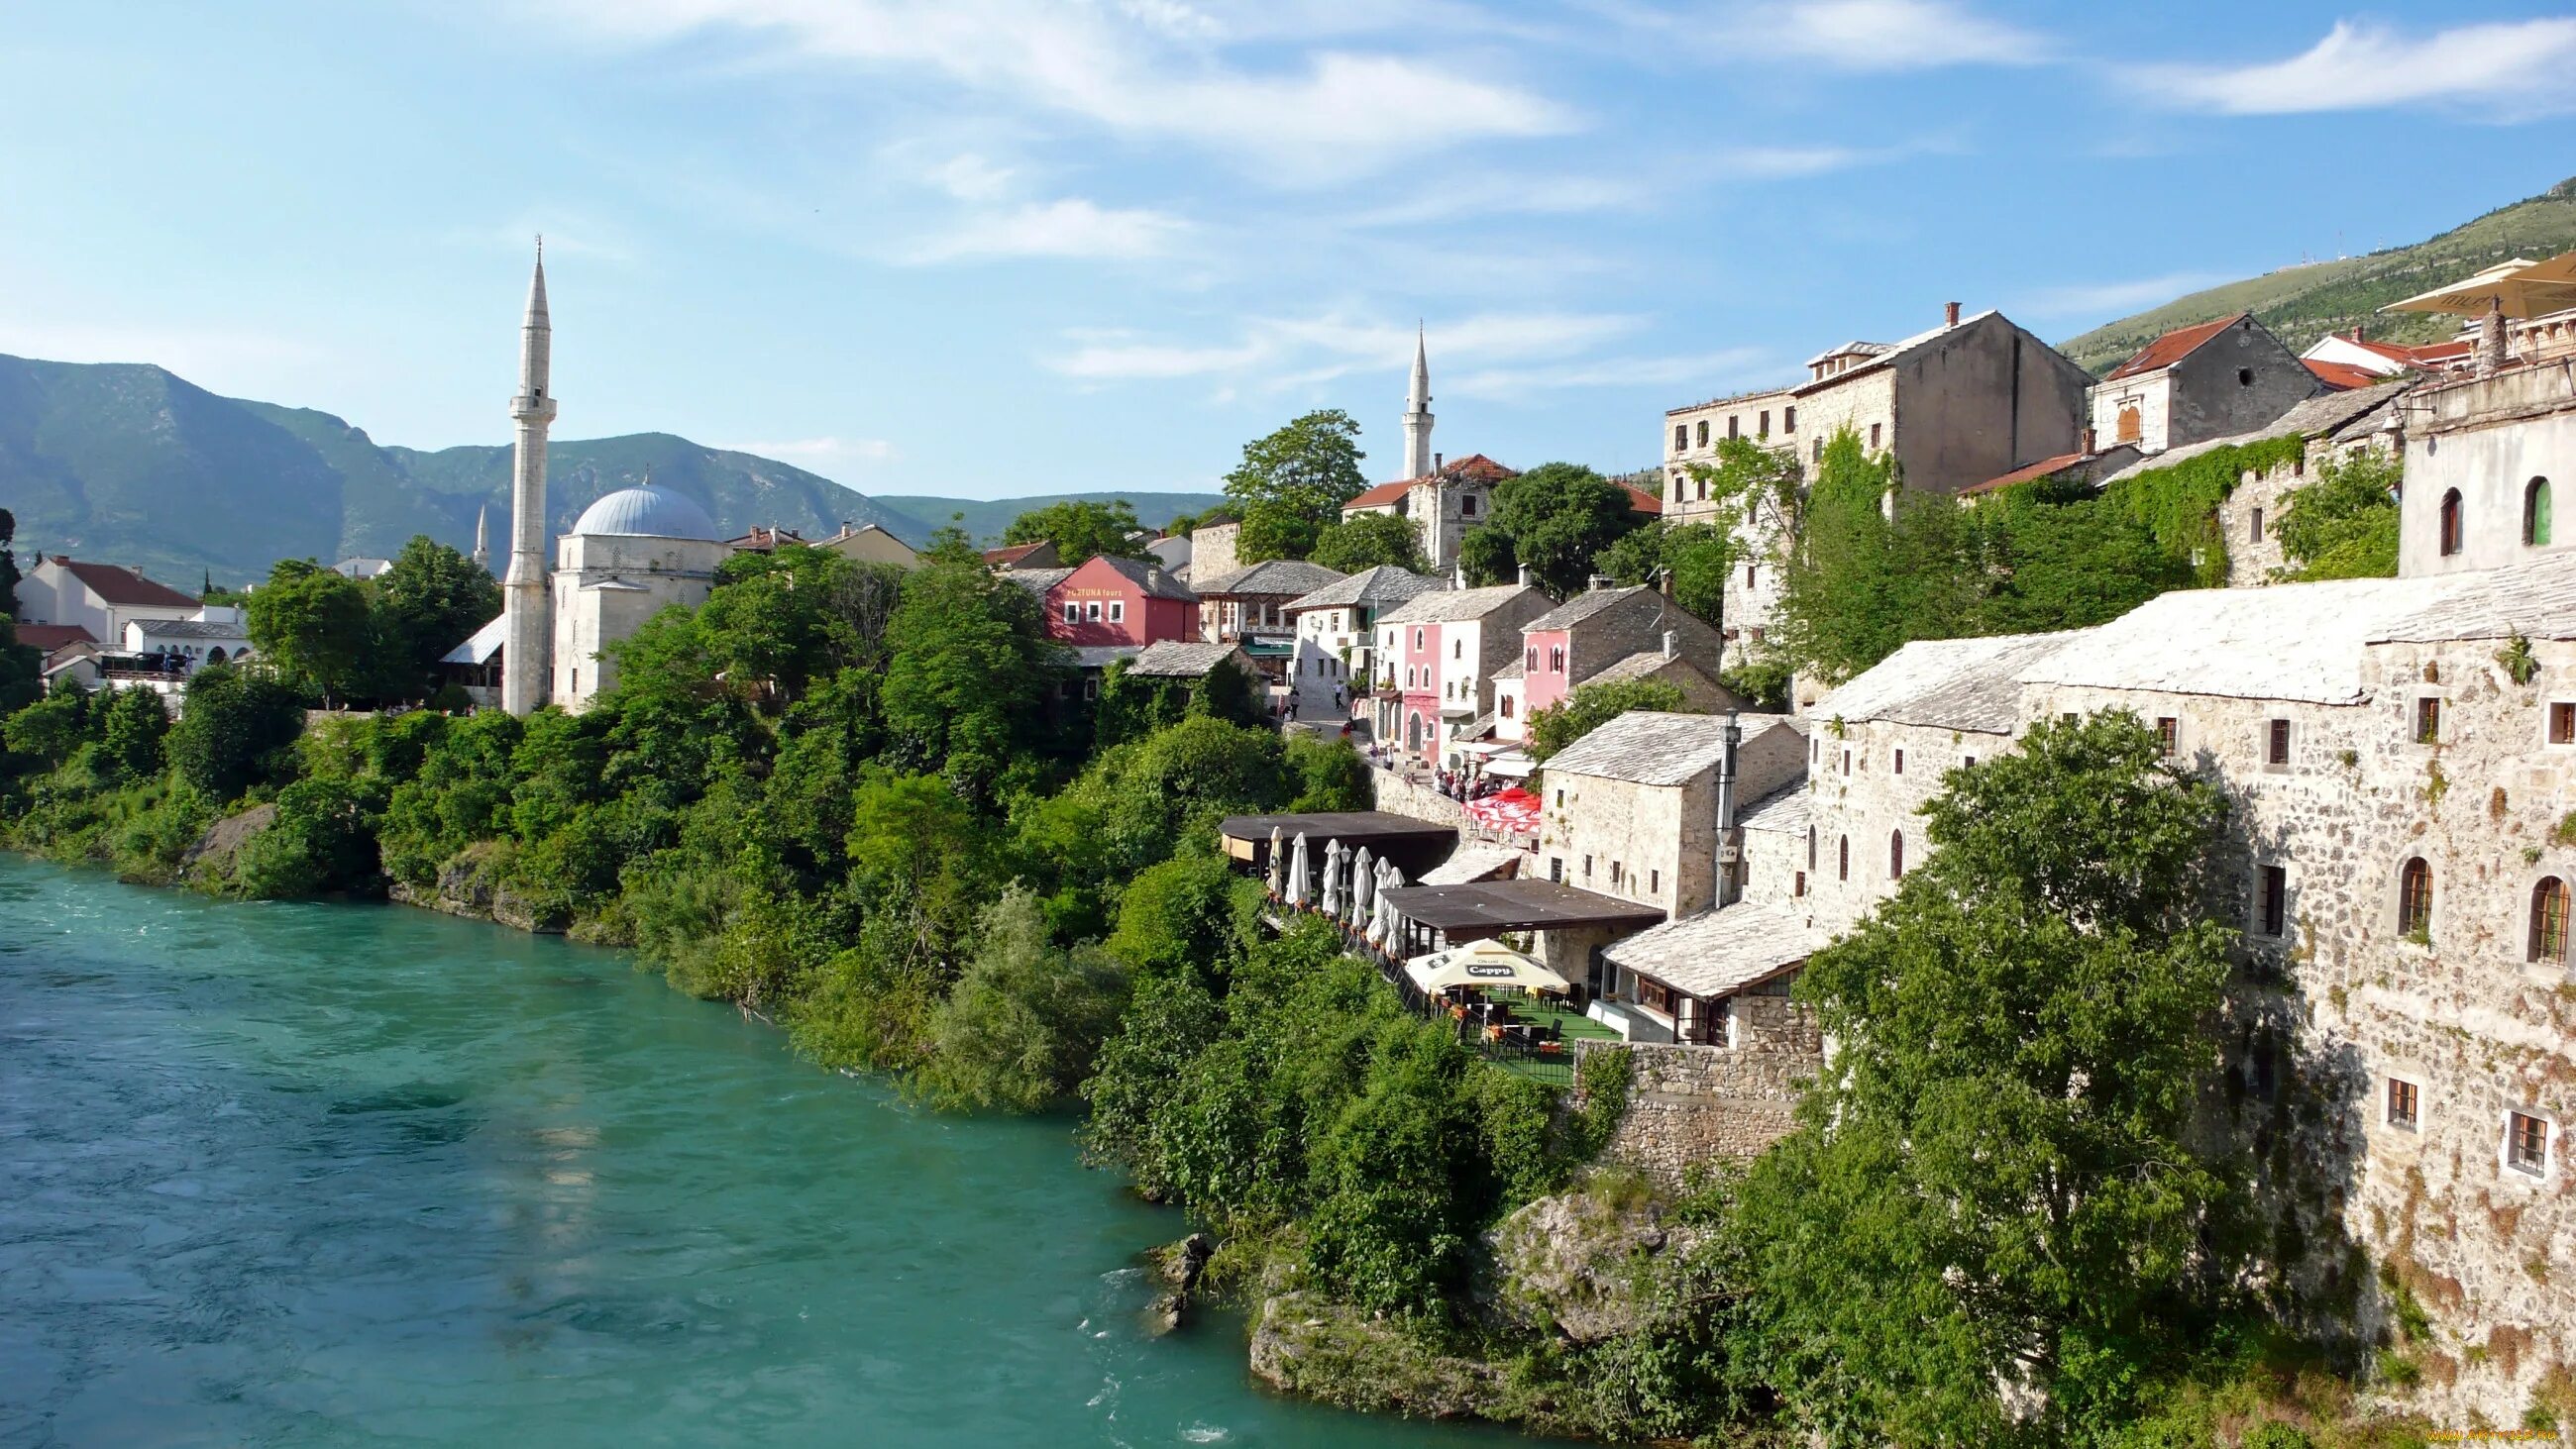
(2343, 376)
(1474, 468)
(124, 587)
(2040, 469)
(2173, 347)
(1005, 557)
(1641, 501)
(1383, 495)
(50, 637)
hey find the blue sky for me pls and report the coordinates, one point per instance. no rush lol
(994, 247)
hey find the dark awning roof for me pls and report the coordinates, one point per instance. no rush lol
(1344, 825)
(1481, 908)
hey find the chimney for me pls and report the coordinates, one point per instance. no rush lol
(135, 569)
(1525, 576)
(1435, 462)
(1949, 314)
(1597, 581)
(1729, 846)
(1664, 586)
(2356, 332)
(1672, 643)
(2090, 439)
(1458, 576)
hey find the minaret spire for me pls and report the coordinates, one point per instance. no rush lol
(1417, 411)
(526, 655)
(483, 537)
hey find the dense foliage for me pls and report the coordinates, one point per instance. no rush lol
(339, 638)
(2343, 525)
(1080, 530)
(1555, 519)
(1591, 706)
(1292, 484)
(1368, 540)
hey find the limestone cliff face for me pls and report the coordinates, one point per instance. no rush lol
(470, 885)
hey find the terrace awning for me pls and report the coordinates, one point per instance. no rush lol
(1483, 963)
(1488, 908)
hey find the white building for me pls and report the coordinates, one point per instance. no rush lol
(2484, 457)
(101, 598)
(630, 555)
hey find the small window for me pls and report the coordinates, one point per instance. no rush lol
(1417, 638)
(2130, 425)
(2244, 377)
(1556, 864)
(1846, 762)
(1117, 611)
(1467, 506)
(2526, 1143)
(2450, 538)
(1734, 426)
(1800, 888)
(2256, 531)
(1507, 706)
(2428, 721)
(1820, 450)
(1614, 872)
(1751, 572)
(1896, 855)
(2547, 942)
(1457, 648)
(1587, 867)
(1072, 613)
(1532, 661)
(2562, 722)
(2168, 735)
(1560, 797)
(2275, 904)
(1842, 858)
(1654, 882)
(1788, 420)
(1811, 847)
(1681, 436)
(1556, 659)
(1967, 762)
(1703, 433)
(2535, 513)
(2276, 744)
(1873, 436)
(1900, 762)
(1765, 427)
(2415, 898)
(2405, 1104)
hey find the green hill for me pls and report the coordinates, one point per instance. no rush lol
(128, 463)
(2301, 304)
(985, 519)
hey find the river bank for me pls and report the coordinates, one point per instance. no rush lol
(307, 1173)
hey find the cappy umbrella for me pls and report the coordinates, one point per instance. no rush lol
(2520, 289)
(1332, 902)
(1278, 863)
(1295, 895)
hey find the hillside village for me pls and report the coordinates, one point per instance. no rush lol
(2400, 752)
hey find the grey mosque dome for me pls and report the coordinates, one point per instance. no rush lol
(647, 512)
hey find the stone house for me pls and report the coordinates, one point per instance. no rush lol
(1039, 555)
(1442, 505)
(1966, 401)
(1212, 554)
(1702, 693)
(1337, 635)
(2484, 456)
(1631, 810)
(1250, 607)
(1603, 626)
(100, 598)
(1692, 435)
(2388, 359)
(2197, 383)
(1437, 654)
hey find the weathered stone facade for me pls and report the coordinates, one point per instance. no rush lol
(1689, 1106)
(2491, 451)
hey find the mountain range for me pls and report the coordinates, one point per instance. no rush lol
(2301, 304)
(129, 463)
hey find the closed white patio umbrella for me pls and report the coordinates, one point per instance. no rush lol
(1363, 888)
(1333, 860)
(1295, 895)
(1278, 863)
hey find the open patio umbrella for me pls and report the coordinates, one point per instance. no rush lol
(2520, 289)
(1363, 884)
(1295, 895)
(1482, 963)
(1278, 863)
(1332, 902)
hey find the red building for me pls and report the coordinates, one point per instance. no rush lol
(1120, 601)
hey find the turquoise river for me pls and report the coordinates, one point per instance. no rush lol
(342, 1174)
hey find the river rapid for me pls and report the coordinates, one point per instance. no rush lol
(341, 1174)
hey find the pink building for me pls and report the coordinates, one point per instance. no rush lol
(1109, 600)
(1438, 654)
(1596, 629)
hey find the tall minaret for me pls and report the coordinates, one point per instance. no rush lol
(530, 636)
(483, 537)
(1417, 415)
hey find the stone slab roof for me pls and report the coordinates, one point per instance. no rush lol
(1512, 670)
(190, 629)
(1149, 576)
(1583, 606)
(1037, 581)
(2286, 641)
(1725, 950)
(2537, 598)
(2315, 417)
(1788, 810)
(1449, 606)
(1960, 684)
(1101, 656)
(1653, 747)
(1640, 665)
(1472, 862)
(1383, 586)
(1180, 659)
(1291, 577)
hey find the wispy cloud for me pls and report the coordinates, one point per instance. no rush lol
(2094, 299)
(1288, 352)
(1723, 368)
(822, 455)
(2512, 70)
(1144, 67)
(1888, 35)
(1070, 228)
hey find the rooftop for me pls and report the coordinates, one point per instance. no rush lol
(1323, 825)
(1472, 862)
(2028, 472)
(1653, 747)
(648, 511)
(483, 646)
(1449, 606)
(1012, 554)
(2173, 347)
(1180, 659)
(1037, 581)
(124, 587)
(1101, 656)
(1474, 468)
(2315, 417)
(1373, 588)
(1292, 577)
(1148, 575)
(1960, 684)
(1640, 665)
(1584, 605)
(189, 629)
(1725, 950)
(2343, 376)
(1883, 354)
(50, 637)
(1479, 909)
(1737, 397)
(1787, 810)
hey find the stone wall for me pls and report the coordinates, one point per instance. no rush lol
(1692, 1105)
(1399, 796)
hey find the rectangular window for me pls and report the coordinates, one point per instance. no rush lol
(1556, 865)
(1091, 612)
(1734, 427)
(1765, 425)
(2257, 530)
(1900, 762)
(1457, 648)
(1820, 450)
(1873, 437)
(1654, 882)
(1560, 797)
(1587, 867)
(2168, 735)
(1072, 613)
(1750, 574)
(2276, 743)
(1655, 996)
(1417, 638)
(1614, 872)
(2405, 1104)
(2275, 900)
(1681, 436)
(1846, 762)
(2428, 721)
(1800, 888)
(2562, 723)
(1788, 420)
(1967, 762)
(1117, 611)
(2526, 1143)
(1556, 659)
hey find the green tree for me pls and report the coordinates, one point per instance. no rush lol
(50, 729)
(1697, 556)
(962, 689)
(1874, 567)
(1367, 541)
(2344, 525)
(426, 604)
(131, 726)
(9, 575)
(1329, 774)
(1273, 528)
(1558, 519)
(236, 729)
(22, 670)
(1080, 530)
(1994, 1188)
(1591, 706)
(1310, 468)
(1022, 1026)
(314, 626)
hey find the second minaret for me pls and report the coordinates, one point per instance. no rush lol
(525, 656)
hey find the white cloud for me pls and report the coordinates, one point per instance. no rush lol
(821, 455)
(1148, 68)
(1289, 352)
(2512, 70)
(2093, 299)
(1070, 227)
(970, 177)
(1117, 357)
(1847, 35)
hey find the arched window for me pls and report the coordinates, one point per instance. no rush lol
(2535, 512)
(1896, 855)
(2450, 523)
(2415, 898)
(2129, 425)
(1703, 432)
(1842, 864)
(2548, 922)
